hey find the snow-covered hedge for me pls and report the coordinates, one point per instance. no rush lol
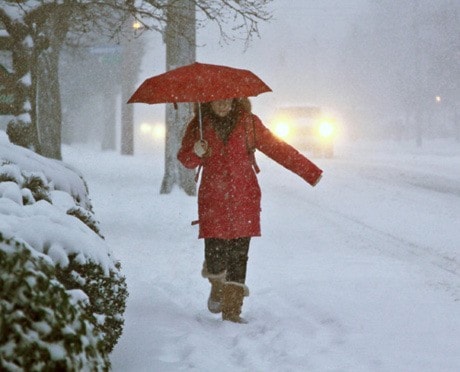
(45, 204)
(107, 293)
(43, 326)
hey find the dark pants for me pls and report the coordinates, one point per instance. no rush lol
(230, 255)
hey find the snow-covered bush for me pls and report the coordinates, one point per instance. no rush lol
(21, 133)
(107, 293)
(43, 326)
(86, 217)
(45, 203)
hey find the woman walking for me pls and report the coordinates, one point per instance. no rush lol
(222, 148)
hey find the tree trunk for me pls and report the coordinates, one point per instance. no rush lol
(53, 25)
(109, 135)
(22, 130)
(180, 39)
(49, 115)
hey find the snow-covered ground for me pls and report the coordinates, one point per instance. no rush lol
(360, 273)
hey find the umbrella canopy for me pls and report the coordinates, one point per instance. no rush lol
(199, 82)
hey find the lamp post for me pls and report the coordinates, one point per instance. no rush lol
(130, 64)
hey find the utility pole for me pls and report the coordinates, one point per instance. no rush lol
(456, 93)
(127, 87)
(418, 76)
(132, 50)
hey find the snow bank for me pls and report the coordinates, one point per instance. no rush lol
(45, 226)
(61, 175)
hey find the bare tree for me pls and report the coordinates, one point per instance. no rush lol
(41, 27)
(46, 78)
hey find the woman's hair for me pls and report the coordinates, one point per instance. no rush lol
(239, 105)
(223, 125)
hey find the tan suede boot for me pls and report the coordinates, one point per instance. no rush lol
(217, 284)
(215, 297)
(232, 301)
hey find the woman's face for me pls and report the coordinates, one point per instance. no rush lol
(222, 108)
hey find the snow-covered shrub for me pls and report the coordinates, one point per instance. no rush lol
(21, 133)
(45, 203)
(58, 174)
(43, 326)
(38, 186)
(107, 295)
(86, 217)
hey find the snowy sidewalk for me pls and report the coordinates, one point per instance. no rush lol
(329, 290)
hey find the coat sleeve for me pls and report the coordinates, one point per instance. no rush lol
(186, 154)
(284, 154)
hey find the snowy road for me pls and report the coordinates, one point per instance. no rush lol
(413, 208)
(361, 273)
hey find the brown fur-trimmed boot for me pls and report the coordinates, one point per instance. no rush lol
(232, 301)
(215, 297)
(217, 284)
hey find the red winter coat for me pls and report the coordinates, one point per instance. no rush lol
(229, 194)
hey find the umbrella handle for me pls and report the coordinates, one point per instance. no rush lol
(200, 121)
(201, 148)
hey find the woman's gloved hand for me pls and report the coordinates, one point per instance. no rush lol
(317, 180)
(201, 149)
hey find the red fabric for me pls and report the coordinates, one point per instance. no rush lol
(199, 82)
(229, 194)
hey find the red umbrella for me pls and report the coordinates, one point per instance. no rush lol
(199, 82)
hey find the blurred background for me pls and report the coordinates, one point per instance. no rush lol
(383, 69)
(367, 63)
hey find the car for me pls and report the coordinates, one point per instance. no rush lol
(307, 128)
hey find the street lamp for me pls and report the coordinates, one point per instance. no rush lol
(137, 27)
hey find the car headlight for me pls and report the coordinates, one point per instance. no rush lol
(156, 131)
(282, 129)
(326, 129)
(145, 128)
